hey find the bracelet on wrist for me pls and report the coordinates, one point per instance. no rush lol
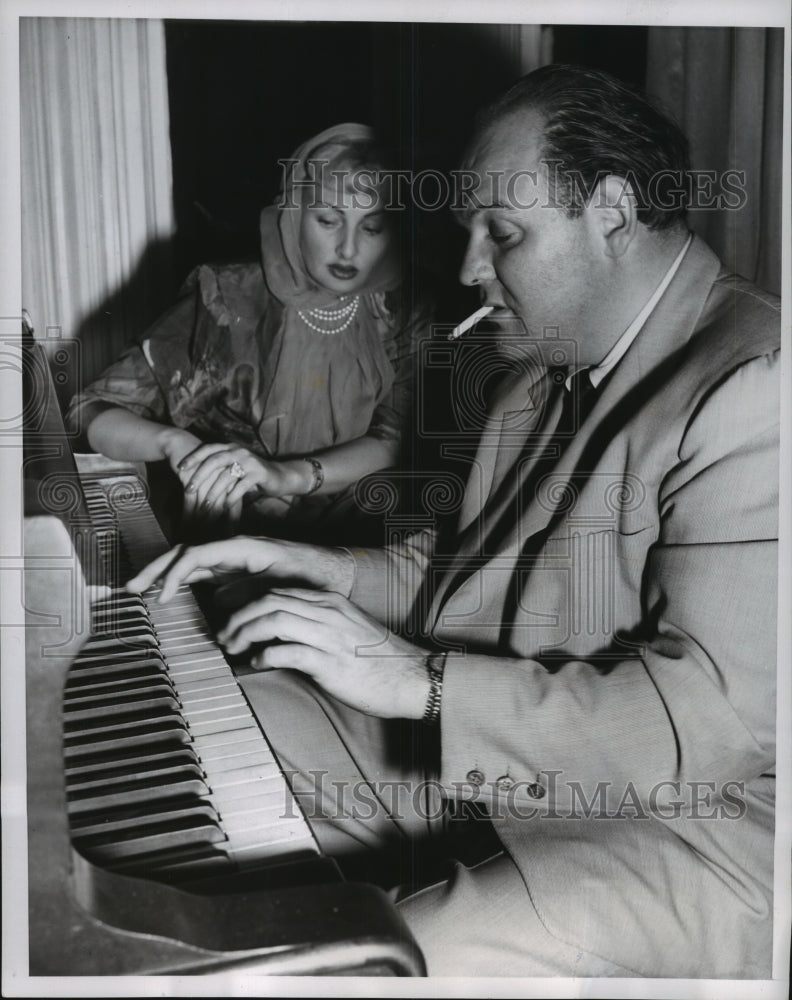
(318, 474)
(435, 668)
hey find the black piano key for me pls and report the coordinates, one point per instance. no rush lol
(121, 636)
(128, 776)
(132, 792)
(131, 763)
(166, 731)
(126, 680)
(103, 644)
(131, 757)
(130, 814)
(145, 705)
(124, 670)
(180, 832)
(128, 616)
(178, 865)
(131, 605)
(114, 609)
(82, 667)
(92, 694)
(99, 722)
(120, 656)
(117, 595)
(139, 817)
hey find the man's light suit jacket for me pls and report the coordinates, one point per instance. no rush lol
(621, 678)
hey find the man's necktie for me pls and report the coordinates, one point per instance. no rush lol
(516, 493)
(577, 403)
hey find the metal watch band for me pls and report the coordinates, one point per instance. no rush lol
(435, 668)
(318, 474)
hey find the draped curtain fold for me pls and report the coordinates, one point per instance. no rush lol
(97, 206)
(725, 88)
(524, 47)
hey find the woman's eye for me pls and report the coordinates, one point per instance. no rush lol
(372, 230)
(327, 221)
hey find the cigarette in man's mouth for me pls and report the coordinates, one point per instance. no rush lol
(466, 324)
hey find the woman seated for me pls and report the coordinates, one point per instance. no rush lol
(272, 388)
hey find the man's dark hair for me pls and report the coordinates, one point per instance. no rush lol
(596, 125)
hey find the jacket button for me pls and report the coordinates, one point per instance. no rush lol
(536, 791)
(504, 783)
(475, 777)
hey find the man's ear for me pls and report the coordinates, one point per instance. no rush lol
(614, 214)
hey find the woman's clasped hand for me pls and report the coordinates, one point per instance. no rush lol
(217, 477)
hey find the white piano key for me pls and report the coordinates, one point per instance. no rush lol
(248, 759)
(231, 746)
(245, 784)
(202, 709)
(205, 687)
(251, 775)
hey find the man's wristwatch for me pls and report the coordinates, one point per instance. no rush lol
(435, 667)
(317, 474)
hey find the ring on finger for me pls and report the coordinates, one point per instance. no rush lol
(236, 471)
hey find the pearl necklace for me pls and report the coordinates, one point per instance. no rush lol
(346, 314)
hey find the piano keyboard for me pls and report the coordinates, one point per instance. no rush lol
(167, 770)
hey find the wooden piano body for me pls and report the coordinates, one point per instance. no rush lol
(288, 913)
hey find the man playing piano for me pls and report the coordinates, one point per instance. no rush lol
(598, 658)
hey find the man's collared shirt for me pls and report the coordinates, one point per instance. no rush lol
(619, 349)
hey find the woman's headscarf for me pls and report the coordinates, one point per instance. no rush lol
(284, 268)
(315, 390)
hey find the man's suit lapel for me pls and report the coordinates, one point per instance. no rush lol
(649, 361)
(510, 427)
(514, 418)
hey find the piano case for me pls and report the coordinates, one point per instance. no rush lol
(287, 913)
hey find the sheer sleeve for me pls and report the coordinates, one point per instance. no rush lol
(130, 382)
(394, 412)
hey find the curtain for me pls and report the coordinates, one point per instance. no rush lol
(524, 47)
(97, 212)
(725, 88)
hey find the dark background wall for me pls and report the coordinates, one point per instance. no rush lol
(244, 94)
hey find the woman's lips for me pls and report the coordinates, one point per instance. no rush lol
(341, 272)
